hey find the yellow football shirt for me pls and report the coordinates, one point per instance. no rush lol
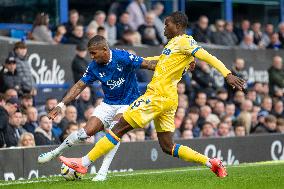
(173, 62)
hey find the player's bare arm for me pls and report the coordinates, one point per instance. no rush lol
(149, 64)
(233, 81)
(71, 95)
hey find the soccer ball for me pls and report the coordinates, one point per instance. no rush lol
(70, 174)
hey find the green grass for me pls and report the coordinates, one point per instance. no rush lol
(250, 176)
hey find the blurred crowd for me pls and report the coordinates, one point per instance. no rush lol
(137, 25)
(205, 109)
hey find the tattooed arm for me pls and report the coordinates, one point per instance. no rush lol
(71, 95)
(150, 62)
(74, 92)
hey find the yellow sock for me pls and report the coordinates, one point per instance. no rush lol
(103, 146)
(188, 154)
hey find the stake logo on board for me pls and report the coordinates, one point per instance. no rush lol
(211, 151)
(277, 150)
(44, 74)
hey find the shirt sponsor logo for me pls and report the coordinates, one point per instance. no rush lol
(166, 51)
(113, 84)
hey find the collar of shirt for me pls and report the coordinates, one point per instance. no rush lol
(110, 57)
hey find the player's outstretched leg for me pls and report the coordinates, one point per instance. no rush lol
(188, 154)
(102, 147)
(93, 126)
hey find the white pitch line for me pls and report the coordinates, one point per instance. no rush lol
(139, 173)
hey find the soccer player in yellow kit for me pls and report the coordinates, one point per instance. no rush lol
(160, 101)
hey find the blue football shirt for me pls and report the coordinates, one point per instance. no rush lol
(118, 78)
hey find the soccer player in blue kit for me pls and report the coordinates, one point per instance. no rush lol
(115, 69)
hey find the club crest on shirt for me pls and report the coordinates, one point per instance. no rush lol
(113, 83)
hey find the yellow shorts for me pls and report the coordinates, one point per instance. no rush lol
(152, 107)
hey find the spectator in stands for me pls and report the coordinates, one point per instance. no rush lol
(222, 94)
(205, 111)
(246, 105)
(269, 30)
(72, 22)
(56, 130)
(9, 77)
(207, 130)
(251, 95)
(230, 110)
(90, 33)
(278, 109)
(266, 104)
(281, 32)
(43, 134)
(102, 32)
(179, 118)
(240, 130)
(280, 125)
(257, 34)
(200, 99)
(276, 74)
(217, 37)
(158, 10)
(88, 112)
(137, 11)
(128, 38)
(275, 43)
(40, 30)
(223, 130)
(7, 108)
(245, 118)
(23, 67)
(193, 115)
(77, 37)
(238, 68)
(13, 131)
(183, 101)
(247, 42)
(140, 134)
(201, 32)
(219, 108)
(99, 20)
(239, 97)
(244, 30)
(70, 116)
(27, 140)
(148, 31)
(60, 33)
(26, 102)
(50, 103)
(79, 63)
(111, 29)
(71, 127)
(201, 75)
(32, 117)
(230, 38)
(11, 93)
(269, 125)
(187, 134)
(123, 25)
(83, 102)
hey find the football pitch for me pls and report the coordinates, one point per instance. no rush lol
(268, 175)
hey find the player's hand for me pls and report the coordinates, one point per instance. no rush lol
(192, 66)
(235, 82)
(54, 112)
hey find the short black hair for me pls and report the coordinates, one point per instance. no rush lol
(179, 18)
(97, 40)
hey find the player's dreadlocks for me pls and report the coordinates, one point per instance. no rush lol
(179, 18)
(97, 40)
